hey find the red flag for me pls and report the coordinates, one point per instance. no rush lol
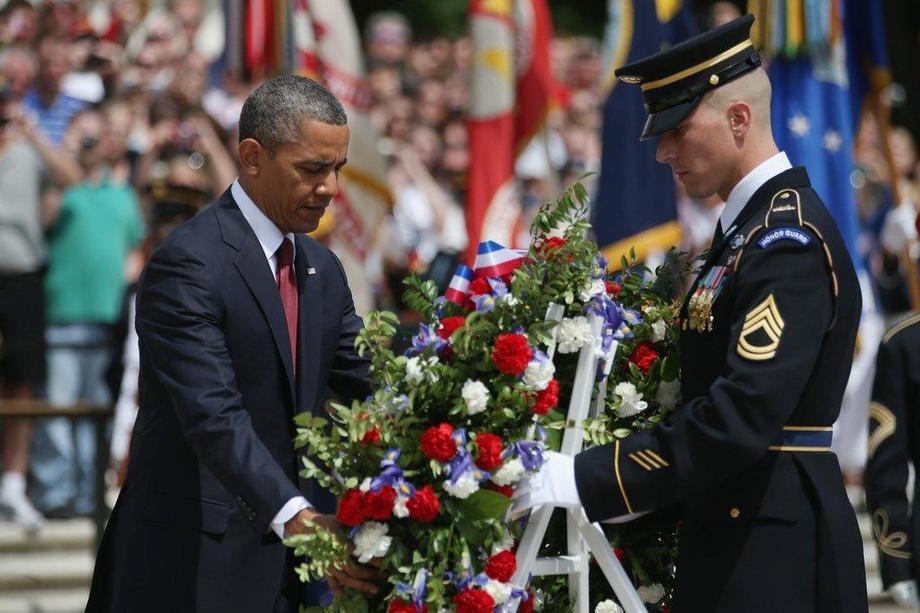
(510, 96)
(535, 79)
(492, 206)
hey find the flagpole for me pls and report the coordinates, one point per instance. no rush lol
(908, 264)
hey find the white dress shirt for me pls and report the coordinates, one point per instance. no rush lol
(751, 182)
(270, 238)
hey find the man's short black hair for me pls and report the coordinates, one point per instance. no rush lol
(274, 112)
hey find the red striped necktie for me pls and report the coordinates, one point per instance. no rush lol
(287, 286)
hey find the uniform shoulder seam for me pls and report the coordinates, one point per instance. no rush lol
(900, 327)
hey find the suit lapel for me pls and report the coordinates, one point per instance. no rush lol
(309, 285)
(254, 268)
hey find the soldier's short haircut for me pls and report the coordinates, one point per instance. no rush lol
(274, 112)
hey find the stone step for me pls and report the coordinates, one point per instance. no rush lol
(54, 534)
(69, 600)
(41, 570)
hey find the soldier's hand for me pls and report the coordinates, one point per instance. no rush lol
(904, 593)
(553, 484)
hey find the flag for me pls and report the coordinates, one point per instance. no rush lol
(819, 80)
(510, 96)
(634, 206)
(327, 47)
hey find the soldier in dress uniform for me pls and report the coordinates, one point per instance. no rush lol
(894, 443)
(769, 328)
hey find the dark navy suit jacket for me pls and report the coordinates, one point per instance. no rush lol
(212, 458)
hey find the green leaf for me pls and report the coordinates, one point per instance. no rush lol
(484, 504)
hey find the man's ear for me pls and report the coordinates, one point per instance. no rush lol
(739, 118)
(250, 157)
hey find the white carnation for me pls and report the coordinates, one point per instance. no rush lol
(538, 374)
(475, 395)
(499, 591)
(463, 487)
(630, 400)
(651, 593)
(591, 289)
(659, 331)
(510, 472)
(400, 509)
(371, 541)
(572, 333)
(608, 606)
(418, 369)
(668, 394)
(506, 543)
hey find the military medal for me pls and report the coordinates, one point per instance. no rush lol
(699, 310)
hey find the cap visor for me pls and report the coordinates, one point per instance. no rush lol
(668, 119)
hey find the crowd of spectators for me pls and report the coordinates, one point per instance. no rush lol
(117, 122)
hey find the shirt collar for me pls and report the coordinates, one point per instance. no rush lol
(267, 232)
(749, 184)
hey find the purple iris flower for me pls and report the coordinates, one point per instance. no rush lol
(600, 267)
(530, 453)
(426, 338)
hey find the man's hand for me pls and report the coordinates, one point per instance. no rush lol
(356, 576)
(899, 229)
(905, 593)
(553, 484)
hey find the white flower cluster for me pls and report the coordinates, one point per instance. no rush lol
(371, 541)
(463, 487)
(668, 395)
(510, 472)
(630, 400)
(475, 395)
(572, 333)
(591, 289)
(538, 374)
(651, 593)
(607, 606)
(418, 369)
(499, 591)
(659, 331)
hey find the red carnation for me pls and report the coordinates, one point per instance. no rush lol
(505, 490)
(511, 354)
(613, 288)
(437, 443)
(379, 504)
(424, 506)
(480, 286)
(643, 357)
(527, 605)
(619, 553)
(551, 244)
(351, 508)
(401, 606)
(547, 399)
(501, 566)
(473, 601)
(372, 436)
(490, 451)
(449, 325)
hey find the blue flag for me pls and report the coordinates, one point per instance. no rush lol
(635, 206)
(817, 102)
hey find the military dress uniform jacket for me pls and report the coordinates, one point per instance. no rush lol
(770, 330)
(894, 442)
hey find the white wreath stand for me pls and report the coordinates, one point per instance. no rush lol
(584, 538)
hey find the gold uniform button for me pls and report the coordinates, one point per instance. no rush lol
(714, 79)
(735, 512)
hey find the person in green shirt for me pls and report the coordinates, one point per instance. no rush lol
(97, 227)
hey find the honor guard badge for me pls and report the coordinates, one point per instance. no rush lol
(762, 329)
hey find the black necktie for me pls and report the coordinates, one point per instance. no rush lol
(718, 236)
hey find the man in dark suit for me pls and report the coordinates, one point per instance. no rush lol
(769, 328)
(243, 322)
